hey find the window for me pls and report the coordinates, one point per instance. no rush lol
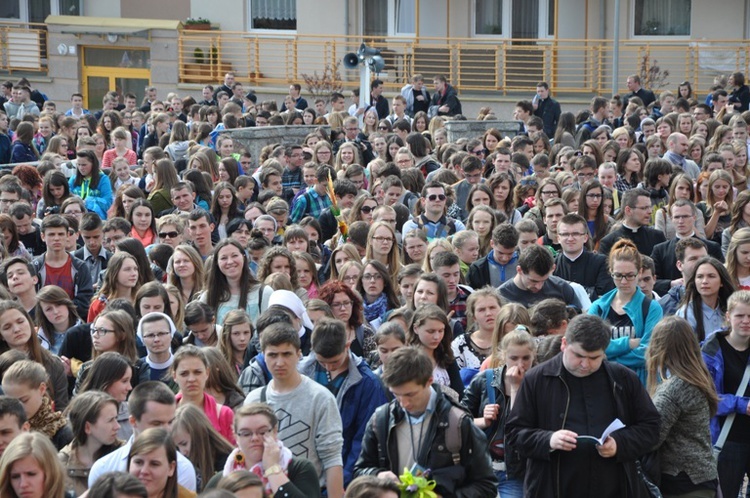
(374, 18)
(488, 17)
(662, 18)
(10, 9)
(70, 7)
(273, 14)
(406, 20)
(38, 10)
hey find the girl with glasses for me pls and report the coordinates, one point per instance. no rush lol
(112, 331)
(382, 247)
(347, 306)
(631, 314)
(591, 207)
(377, 290)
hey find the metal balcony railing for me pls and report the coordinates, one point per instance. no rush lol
(23, 47)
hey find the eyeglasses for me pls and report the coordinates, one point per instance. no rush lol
(436, 197)
(478, 152)
(101, 331)
(550, 192)
(155, 335)
(170, 235)
(249, 434)
(350, 278)
(342, 305)
(382, 239)
(372, 276)
(367, 209)
(585, 175)
(627, 276)
(644, 208)
(571, 235)
(594, 196)
(351, 129)
(382, 128)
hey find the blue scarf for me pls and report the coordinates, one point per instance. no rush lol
(377, 308)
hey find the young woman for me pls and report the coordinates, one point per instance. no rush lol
(55, 313)
(389, 338)
(681, 187)
(502, 186)
(377, 291)
(185, 271)
(725, 353)
(685, 396)
(430, 330)
(323, 153)
(118, 485)
(165, 177)
(121, 140)
(224, 206)
(113, 374)
(340, 255)
(738, 259)
(704, 303)
(517, 351)
(260, 450)
(362, 209)
(23, 149)
(30, 468)
(235, 339)
(190, 372)
(629, 169)
(230, 285)
(112, 331)
(430, 289)
(280, 260)
(351, 273)
(591, 207)
(153, 460)
(471, 349)
(222, 378)
(26, 381)
(11, 241)
(382, 247)
(17, 332)
(347, 154)
(307, 274)
(55, 189)
(120, 280)
(198, 440)
(414, 244)
(717, 207)
(466, 246)
(90, 184)
(510, 317)
(93, 420)
(482, 220)
(143, 221)
(347, 306)
(623, 307)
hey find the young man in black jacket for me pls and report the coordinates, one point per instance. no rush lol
(578, 393)
(423, 429)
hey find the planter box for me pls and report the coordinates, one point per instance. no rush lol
(204, 73)
(198, 27)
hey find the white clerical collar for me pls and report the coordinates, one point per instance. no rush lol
(574, 258)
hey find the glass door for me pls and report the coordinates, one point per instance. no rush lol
(114, 69)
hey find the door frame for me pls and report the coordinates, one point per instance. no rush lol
(112, 73)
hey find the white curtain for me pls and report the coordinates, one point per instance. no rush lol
(406, 16)
(662, 17)
(489, 17)
(280, 10)
(525, 19)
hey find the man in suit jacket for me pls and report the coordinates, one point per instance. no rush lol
(575, 264)
(664, 254)
(636, 207)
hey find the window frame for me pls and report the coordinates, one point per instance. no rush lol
(633, 36)
(23, 10)
(251, 29)
(507, 25)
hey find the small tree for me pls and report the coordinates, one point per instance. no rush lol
(323, 85)
(652, 76)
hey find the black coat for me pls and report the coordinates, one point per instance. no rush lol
(645, 239)
(479, 273)
(541, 408)
(473, 477)
(665, 262)
(549, 110)
(590, 270)
(449, 98)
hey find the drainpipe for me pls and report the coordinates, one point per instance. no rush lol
(616, 49)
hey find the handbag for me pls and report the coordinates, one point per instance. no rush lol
(653, 489)
(727, 426)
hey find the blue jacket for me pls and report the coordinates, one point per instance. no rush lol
(98, 199)
(728, 402)
(359, 396)
(22, 153)
(619, 349)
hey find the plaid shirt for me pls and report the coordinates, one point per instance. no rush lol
(291, 180)
(458, 306)
(309, 204)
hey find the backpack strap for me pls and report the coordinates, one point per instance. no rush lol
(260, 297)
(453, 433)
(645, 308)
(263, 394)
(381, 434)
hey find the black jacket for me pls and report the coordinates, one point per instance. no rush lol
(479, 273)
(645, 239)
(590, 270)
(541, 408)
(472, 478)
(449, 98)
(665, 262)
(549, 110)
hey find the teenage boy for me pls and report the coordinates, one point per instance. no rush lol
(576, 264)
(151, 405)
(113, 231)
(93, 252)
(200, 227)
(312, 427)
(357, 389)
(423, 429)
(13, 421)
(19, 277)
(499, 265)
(156, 330)
(76, 110)
(57, 267)
(447, 266)
(315, 199)
(433, 220)
(472, 168)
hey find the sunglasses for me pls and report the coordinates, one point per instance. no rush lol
(171, 235)
(382, 127)
(367, 209)
(436, 197)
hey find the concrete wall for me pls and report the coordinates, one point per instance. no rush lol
(163, 9)
(102, 8)
(254, 139)
(474, 129)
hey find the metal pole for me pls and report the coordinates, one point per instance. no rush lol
(364, 84)
(616, 49)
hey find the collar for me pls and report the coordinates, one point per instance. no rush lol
(707, 310)
(688, 237)
(572, 259)
(102, 254)
(634, 230)
(430, 408)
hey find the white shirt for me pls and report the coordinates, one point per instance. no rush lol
(118, 461)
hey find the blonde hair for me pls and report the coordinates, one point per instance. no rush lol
(739, 238)
(516, 337)
(40, 448)
(511, 313)
(426, 265)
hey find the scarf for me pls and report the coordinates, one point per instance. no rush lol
(46, 421)
(236, 461)
(377, 308)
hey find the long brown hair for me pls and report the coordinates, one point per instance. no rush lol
(674, 351)
(443, 353)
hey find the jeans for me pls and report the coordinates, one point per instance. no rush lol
(734, 463)
(508, 488)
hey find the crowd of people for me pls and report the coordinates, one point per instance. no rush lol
(561, 312)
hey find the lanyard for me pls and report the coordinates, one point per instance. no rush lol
(415, 451)
(85, 188)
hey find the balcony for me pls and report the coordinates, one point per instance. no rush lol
(504, 66)
(23, 48)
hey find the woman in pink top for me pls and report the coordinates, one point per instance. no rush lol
(121, 139)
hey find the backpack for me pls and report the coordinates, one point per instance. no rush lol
(449, 227)
(452, 432)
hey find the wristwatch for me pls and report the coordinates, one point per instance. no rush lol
(273, 469)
